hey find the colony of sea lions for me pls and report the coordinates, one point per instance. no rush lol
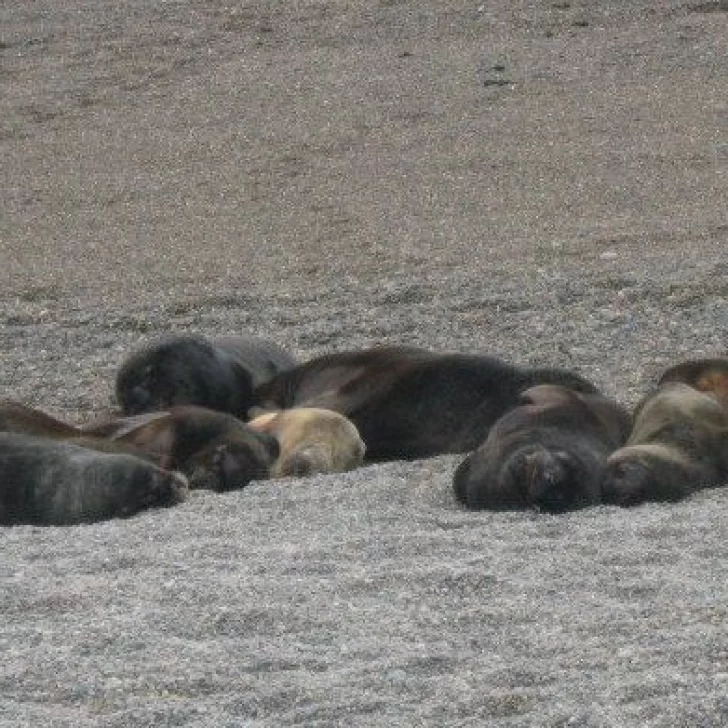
(218, 413)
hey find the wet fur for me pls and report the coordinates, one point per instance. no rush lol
(408, 402)
(548, 453)
(214, 449)
(51, 482)
(218, 373)
(312, 440)
(678, 445)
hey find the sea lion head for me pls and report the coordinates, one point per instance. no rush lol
(172, 371)
(648, 472)
(113, 485)
(552, 480)
(233, 460)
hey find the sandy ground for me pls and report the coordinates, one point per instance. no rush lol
(545, 181)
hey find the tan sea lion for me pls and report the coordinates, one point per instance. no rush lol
(312, 440)
(706, 375)
(679, 444)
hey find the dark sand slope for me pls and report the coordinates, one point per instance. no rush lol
(543, 181)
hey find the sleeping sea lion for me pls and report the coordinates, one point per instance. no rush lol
(679, 444)
(22, 419)
(312, 440)
(218, 373)
(214, 449)
(55, 483)
(548, 453)
(407, 402)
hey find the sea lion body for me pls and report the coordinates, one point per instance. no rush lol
(312, 440)
(547, 453)
(679, 444)
(217, 373)
(407, 402)
(708, 375)
(22, 419)
(48, 482)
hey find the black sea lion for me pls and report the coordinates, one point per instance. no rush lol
(214, 449)
(312, 440)
(547, 453)
(706, 375)
(218, 373)
(679, 444)
(408, 402)
(48, 482)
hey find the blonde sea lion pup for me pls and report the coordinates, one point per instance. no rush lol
(679, 444)
(312, 440)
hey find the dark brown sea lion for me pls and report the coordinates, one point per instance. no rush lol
(410, 403)
(679, 444)
(547, 453)
(53, 483)
(21, 419)
(312, 440)
(214, 449)
(218, 373)
(706, 375)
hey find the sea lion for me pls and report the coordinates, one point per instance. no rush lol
(218, 373)
(409, 403)
(312, 440)
(548, 453)
(706, 375)
(22, 419)
(52, 483)
(679, 444)
(214, 449)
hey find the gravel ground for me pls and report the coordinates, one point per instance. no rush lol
(545, 181)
